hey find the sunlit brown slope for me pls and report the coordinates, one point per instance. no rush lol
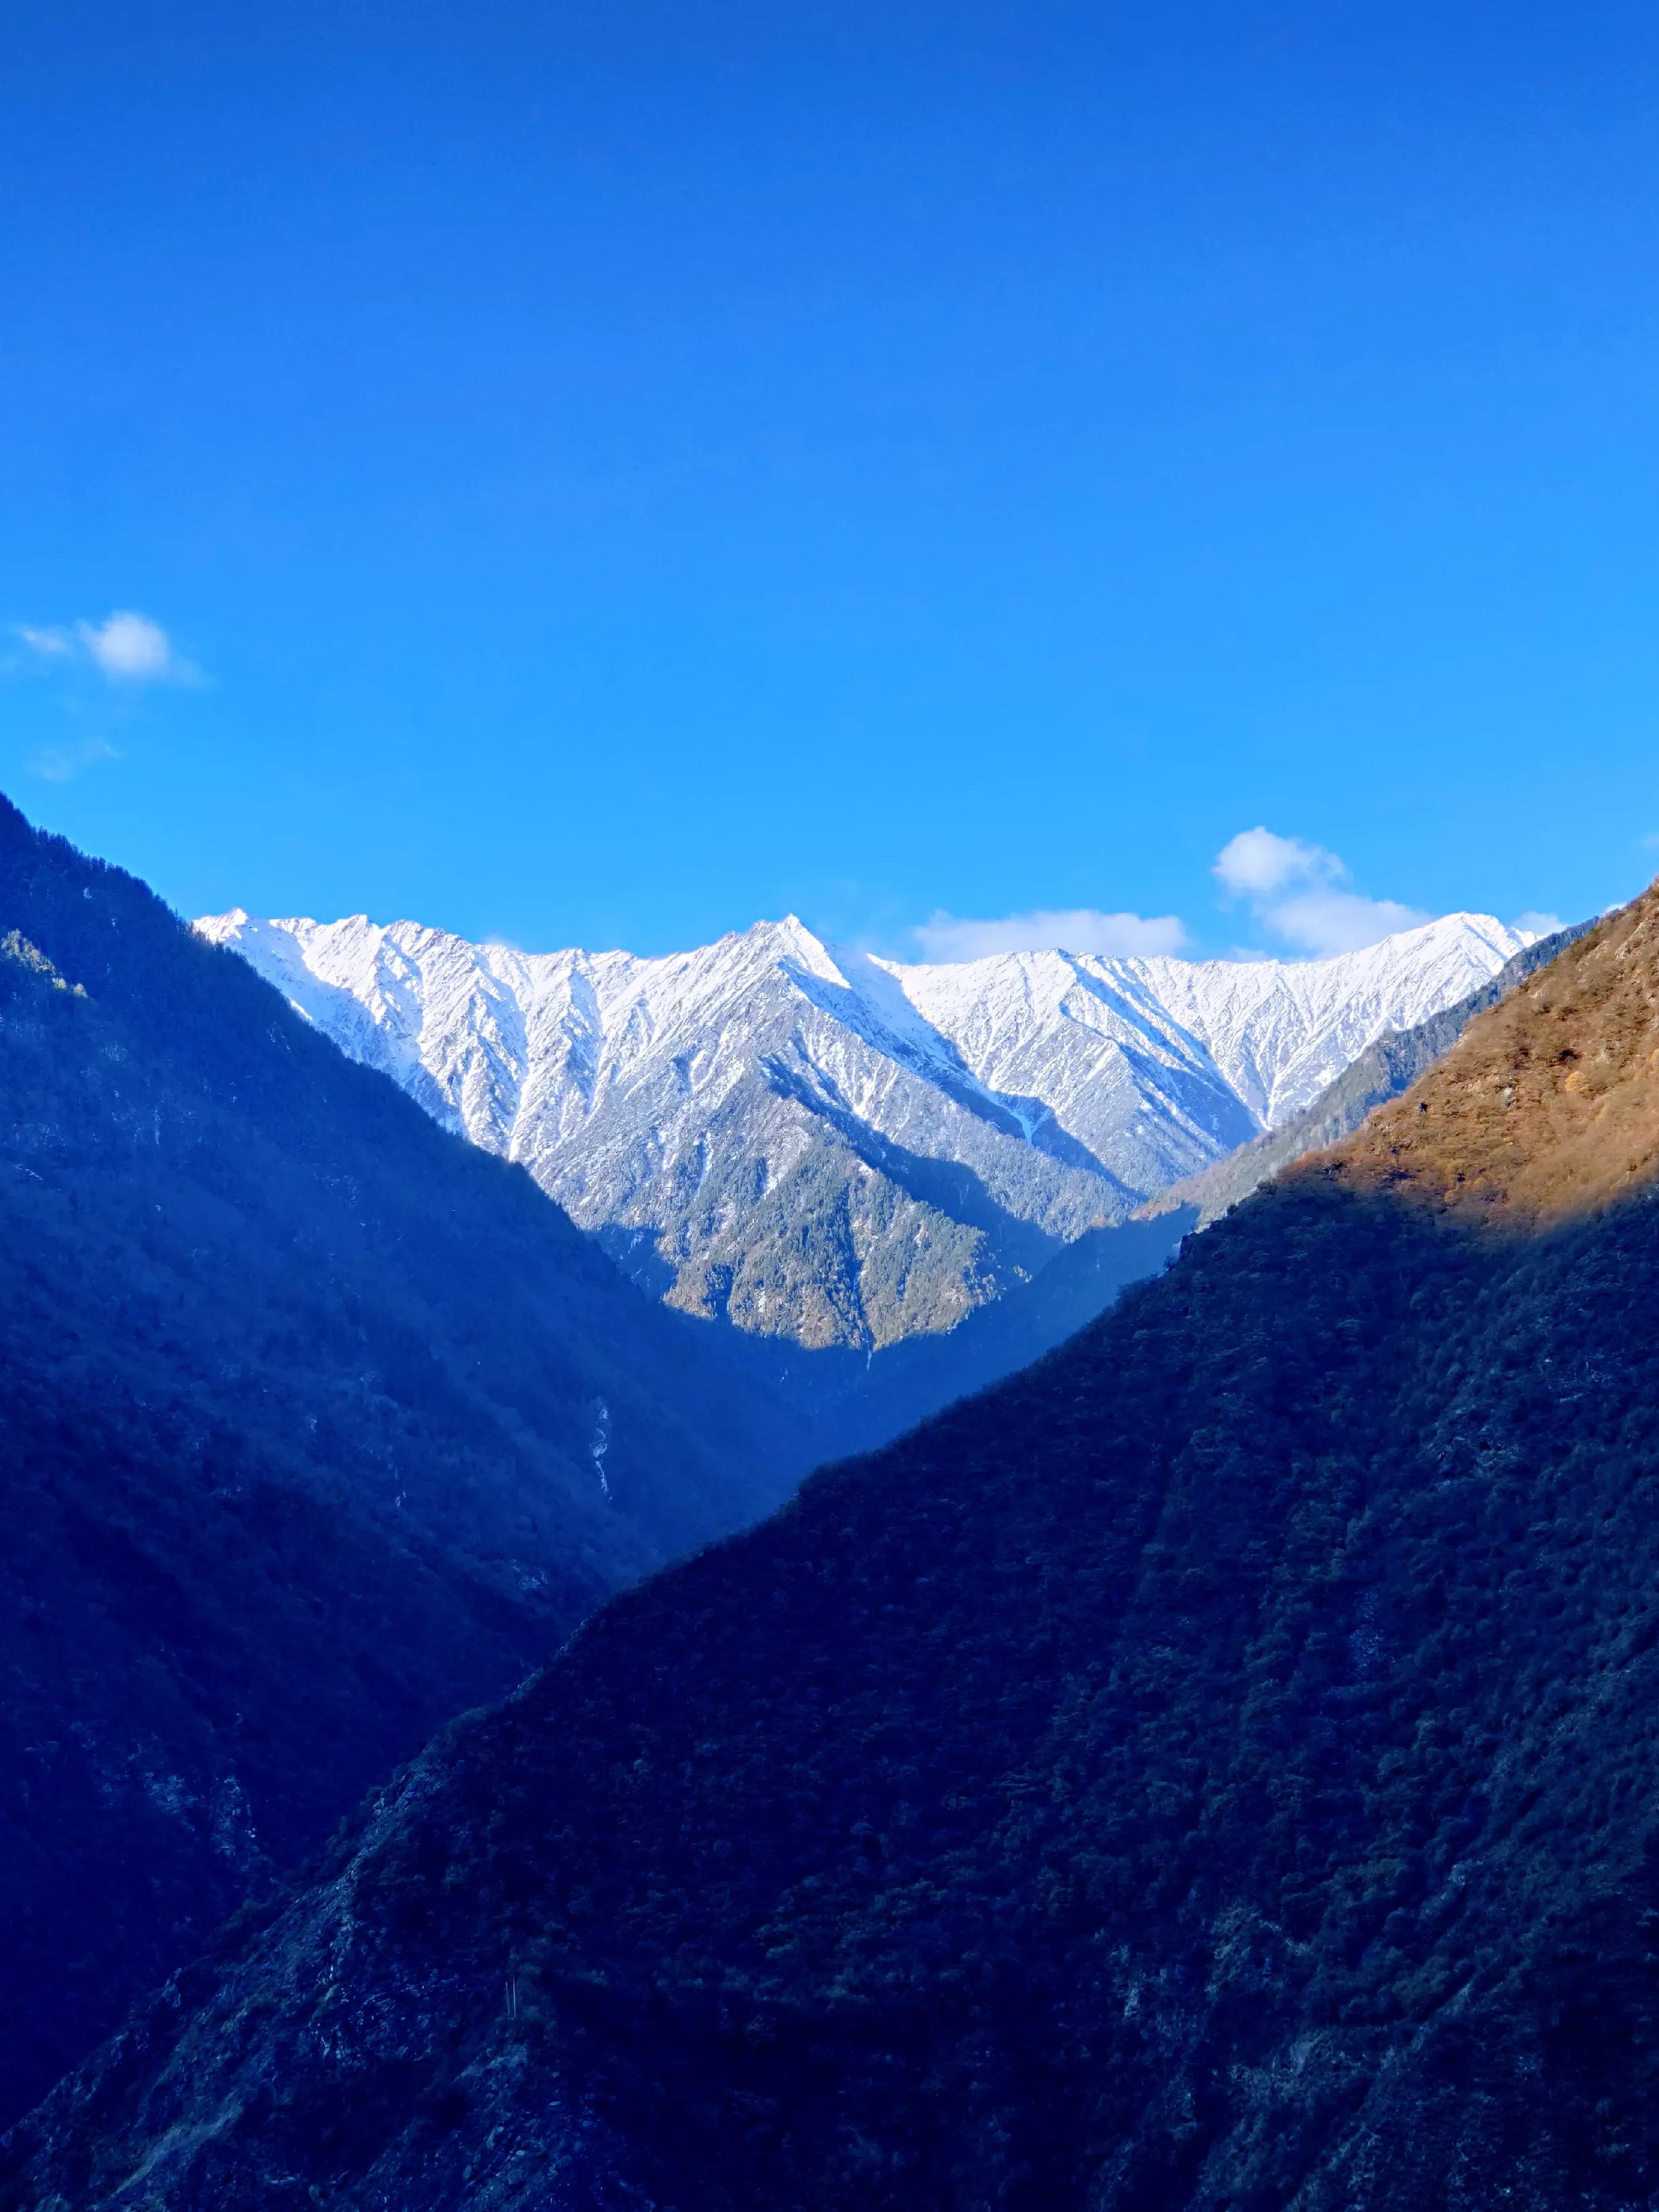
(1548, 1106)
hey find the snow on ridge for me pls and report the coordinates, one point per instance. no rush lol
(953, 1121)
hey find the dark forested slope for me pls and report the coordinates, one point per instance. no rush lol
(1219, 1768)
(316, 1424)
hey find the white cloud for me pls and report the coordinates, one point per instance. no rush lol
(1299, 892)
(125, 647)
(1256, 863)
(1534, 924)
(129, 647)
(1079, 929)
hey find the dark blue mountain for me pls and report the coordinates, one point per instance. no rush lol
(316, 1426)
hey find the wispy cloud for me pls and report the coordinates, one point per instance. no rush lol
(1299, 892)
(126, 648)
(58, 763)
(47, 644)
(949, 937)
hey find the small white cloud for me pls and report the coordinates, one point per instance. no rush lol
(1256, 863)
(1534, 924)
(131, 648)
(1298, 892)
(947, 937)
(125, 647)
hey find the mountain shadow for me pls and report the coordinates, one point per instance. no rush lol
(1219, 1768)
(316, 1425)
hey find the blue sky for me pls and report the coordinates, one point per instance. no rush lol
(601, 476)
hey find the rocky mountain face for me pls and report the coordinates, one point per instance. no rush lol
(840, 1149)
(1217, 1768)
(318, 1425)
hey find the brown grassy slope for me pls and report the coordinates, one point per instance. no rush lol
(1548, 1106)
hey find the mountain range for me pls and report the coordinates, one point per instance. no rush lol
(1217, 1768)
(1388, 1067)
(822, 1146)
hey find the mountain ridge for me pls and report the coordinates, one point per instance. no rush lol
(1550, 1111)
(1383, 1071)
(820, 1143)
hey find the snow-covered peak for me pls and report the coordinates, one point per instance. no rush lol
(1282, 1030)
(819, 1140)
(1277, 1030)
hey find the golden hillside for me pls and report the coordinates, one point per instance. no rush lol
(1548, 1106)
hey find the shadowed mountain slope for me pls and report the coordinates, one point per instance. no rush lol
(1219, 1768)
(316, 1424)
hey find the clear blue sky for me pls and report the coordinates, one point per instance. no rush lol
(620, 470)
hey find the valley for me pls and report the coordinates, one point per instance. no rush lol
(1216, 1767)
(326, 1424)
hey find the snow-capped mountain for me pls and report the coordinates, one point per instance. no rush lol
(824, 1144)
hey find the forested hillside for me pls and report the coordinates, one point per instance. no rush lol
(1219, 1768)
(317, 1425)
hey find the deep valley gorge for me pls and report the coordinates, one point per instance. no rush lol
(1142, 1786)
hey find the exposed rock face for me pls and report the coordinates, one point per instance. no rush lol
(818, 1144)
(1219, 1768)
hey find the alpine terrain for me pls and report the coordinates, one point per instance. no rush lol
(1219, 1768)
(819, 1145)
(317, 1425)
(1382, 1071)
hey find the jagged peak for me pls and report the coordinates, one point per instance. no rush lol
(1407, 944)
(788, 930)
